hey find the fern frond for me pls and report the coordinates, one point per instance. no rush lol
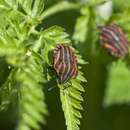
(12, 4)
(32, 8)
(27, 78)
(118, 92)
(27, 50)
(10, 50)
(72, 98)
(56, 34)
(32, 106)
(38, 7)
(9, 92)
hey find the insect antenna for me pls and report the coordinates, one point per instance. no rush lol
(52, 88)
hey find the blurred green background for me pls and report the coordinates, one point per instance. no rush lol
(96, 116)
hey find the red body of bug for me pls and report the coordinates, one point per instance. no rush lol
(65, 63)
(114, 40)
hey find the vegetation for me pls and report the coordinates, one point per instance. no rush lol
(28, 35)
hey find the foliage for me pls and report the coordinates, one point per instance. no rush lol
(71, 98)
(26, 59)
(118, 92)
(118, 78)
(82, 22)
(117, 71)
(26, 50)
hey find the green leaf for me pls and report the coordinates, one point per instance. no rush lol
(72, 98)
(81, 26)
(56, 34)
(118, 84)
(120, 5)
(32, 105)
(28, 52)
(13, 4)
(32, 8)
(38, 7)
(9, 92)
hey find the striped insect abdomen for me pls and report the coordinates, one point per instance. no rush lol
(65, 63)
(114, 40)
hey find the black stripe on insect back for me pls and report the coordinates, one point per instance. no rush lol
(62, 61)
(66, 75)
(65, 65)
(71, 58)
(68, 68)
(66, 55)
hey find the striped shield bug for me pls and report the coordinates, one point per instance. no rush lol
(114, 40)
(65, 63)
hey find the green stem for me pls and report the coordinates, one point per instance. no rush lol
(61, 6)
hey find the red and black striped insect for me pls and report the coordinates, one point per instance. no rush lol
(114, 40)
(65, 63)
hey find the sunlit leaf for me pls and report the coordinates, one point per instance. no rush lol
(118, 84)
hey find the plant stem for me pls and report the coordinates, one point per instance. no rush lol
(61, 6)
